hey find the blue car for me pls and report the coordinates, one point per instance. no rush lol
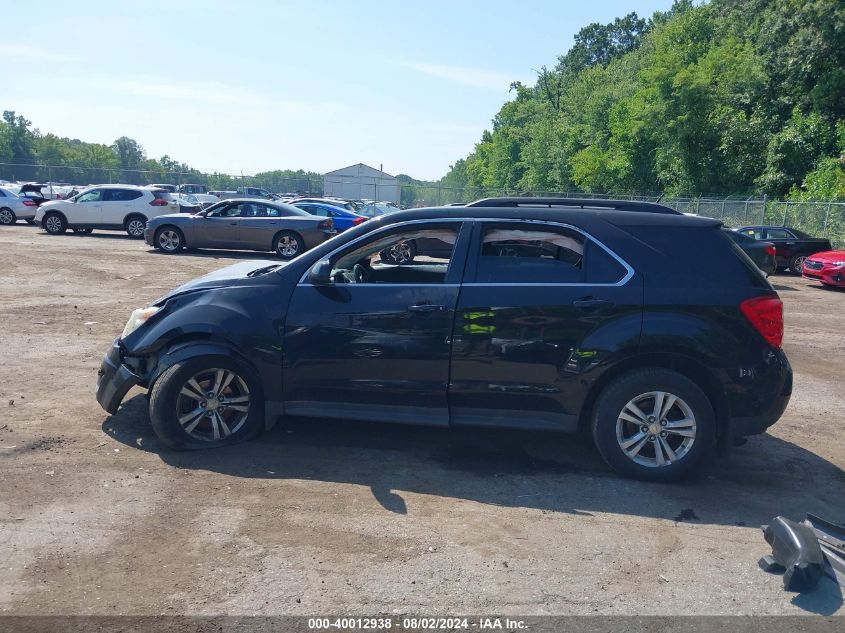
(343, 219)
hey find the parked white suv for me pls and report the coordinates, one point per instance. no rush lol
(111, 207)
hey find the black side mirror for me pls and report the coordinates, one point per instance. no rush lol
(321, 273)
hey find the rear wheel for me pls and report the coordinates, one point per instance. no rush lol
(55, 223)
(169, 239)
(7, 216)
(135, 225)
(206, 402)
(288, 245)
(797, 263)
(400, 253)
(654, 424)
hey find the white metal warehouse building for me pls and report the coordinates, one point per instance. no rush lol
(361, 182)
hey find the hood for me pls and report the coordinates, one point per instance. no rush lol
(234, 275)
(828, 256)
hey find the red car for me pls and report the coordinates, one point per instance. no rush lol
(827, 267)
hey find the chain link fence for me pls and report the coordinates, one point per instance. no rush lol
(821, 218)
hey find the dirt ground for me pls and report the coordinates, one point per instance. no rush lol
(318, 517)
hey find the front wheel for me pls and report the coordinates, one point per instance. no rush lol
(288, 245)
(796, 264)
(206, 402)
(654, 424)
(55, 223)
(169, 239)
(135, 226)
(7, 216)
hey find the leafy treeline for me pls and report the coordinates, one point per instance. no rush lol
(729, 96)
(125, 160)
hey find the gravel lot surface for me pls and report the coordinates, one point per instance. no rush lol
(317, 517)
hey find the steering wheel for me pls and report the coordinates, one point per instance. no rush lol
(360, 274)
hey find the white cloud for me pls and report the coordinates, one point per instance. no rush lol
(33, 53)
(473, 77)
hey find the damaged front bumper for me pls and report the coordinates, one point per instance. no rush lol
(114, 379)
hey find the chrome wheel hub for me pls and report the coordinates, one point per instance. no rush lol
(213, 404)
(656, 429)
(288, 246)
(401, 252)
(168, 240)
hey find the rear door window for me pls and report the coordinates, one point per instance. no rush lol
(530, 253)
(778, 234)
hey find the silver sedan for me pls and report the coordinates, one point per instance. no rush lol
(241, 224)
(14, 207)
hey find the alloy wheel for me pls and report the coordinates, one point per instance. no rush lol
(169, 240)
(135, 228)
(6, 217)
(213, 404)
(287, 246)
(53, 224)
(656, 429)
(400, 253)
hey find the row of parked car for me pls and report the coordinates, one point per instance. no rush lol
(172, 218)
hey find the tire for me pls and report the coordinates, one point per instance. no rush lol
(134, 226)
(400, 253)
(172, 398)
(288, 245)
(649, 436)
(796, 263)
(169, 239)
(7, 216)
(83, 231)
(54, 223)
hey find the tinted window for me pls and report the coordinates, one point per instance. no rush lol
(601, 267)
(692, 257)
(778, 233)
(757, 234)
(121, 195)
(526, 253)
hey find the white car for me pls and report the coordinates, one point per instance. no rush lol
(111, 207)
(13, 207)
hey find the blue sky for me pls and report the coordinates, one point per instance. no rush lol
(252, 86)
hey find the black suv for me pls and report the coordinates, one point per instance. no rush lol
(650, 328)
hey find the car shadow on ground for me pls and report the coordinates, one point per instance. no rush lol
(562, 473)
(221, 254)
(551, 472)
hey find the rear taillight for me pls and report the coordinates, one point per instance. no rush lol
(358, 221)
(766, 315)
(158, 202)
(326, 224)
(29, 203)
(771, 250)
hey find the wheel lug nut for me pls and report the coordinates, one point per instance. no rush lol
(663, 434)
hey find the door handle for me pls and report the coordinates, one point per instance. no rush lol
(426, 307)
(588, 303)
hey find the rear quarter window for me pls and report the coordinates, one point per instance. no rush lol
(693, 256)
